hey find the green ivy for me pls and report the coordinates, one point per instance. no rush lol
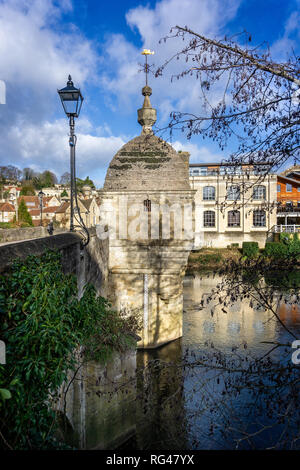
(42, 323)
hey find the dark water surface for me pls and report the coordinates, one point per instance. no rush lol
(168, 405)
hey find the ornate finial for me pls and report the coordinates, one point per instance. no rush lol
(70, 83)
(147, 114)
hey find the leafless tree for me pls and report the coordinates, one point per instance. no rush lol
(258, 109)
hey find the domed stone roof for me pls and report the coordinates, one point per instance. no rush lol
(147, 162)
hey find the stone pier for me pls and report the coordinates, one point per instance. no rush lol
(148, 207)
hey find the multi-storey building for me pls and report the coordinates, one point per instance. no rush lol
(233, 204)
(288, 198)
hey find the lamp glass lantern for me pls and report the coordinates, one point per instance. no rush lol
(41, 195)
(71, 99)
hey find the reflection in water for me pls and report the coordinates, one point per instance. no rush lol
(241, 324)
(100, 404)
(166, 405)
(160, 403)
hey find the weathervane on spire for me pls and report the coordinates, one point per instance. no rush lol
(147, 114)
(146, 67)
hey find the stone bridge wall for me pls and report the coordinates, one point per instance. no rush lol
(20, 234)
(90, 264)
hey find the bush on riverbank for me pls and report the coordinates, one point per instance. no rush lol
(42, 323)
(211, 258)
(287, 247)
(250, 249)
(275, 250)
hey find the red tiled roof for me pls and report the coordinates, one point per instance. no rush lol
(48, 198)
(17, 188)
(51, 209)
(34, 212)
(62, 208)
(29, 199)
(7, 207)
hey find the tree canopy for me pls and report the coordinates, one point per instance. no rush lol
(65, 178)
(10, 173)
(86, 182)
(27, 190)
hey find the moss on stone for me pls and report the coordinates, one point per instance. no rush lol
(143, 159)
(152, 167)
(142, 154)
(118, 167)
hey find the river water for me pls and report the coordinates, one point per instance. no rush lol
(154, 400)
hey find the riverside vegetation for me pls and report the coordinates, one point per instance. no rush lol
(287, 247)
(43, 324)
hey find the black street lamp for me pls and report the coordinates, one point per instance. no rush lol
(71, 99)
(41, 195)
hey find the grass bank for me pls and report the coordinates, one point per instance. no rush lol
(211, 258)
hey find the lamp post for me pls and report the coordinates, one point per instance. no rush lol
(41, 195)
(71, 99)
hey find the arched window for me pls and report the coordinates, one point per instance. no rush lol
(234, 218)
(209, 193)
(259, 192)
(259, 218)
(147, 205)
(209, 219)
(233, 193)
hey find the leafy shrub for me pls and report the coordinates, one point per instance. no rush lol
(5, 225)
(294, 246)
(285, 238)
(285, 280)
(287, 247)
(276, 250)
(233, 246)
(42, 323)
(250, 249)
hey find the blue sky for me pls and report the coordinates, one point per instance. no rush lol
(99, 43)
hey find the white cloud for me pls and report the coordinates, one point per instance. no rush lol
(198, 154)
(283, 47)
(152, 23)
(35, 61)
(47, 146)
(33, 53)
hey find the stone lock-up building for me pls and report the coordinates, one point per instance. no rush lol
(147, 204)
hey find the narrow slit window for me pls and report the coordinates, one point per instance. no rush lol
(147, 205)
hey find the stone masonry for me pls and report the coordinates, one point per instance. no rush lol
(146, 272)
